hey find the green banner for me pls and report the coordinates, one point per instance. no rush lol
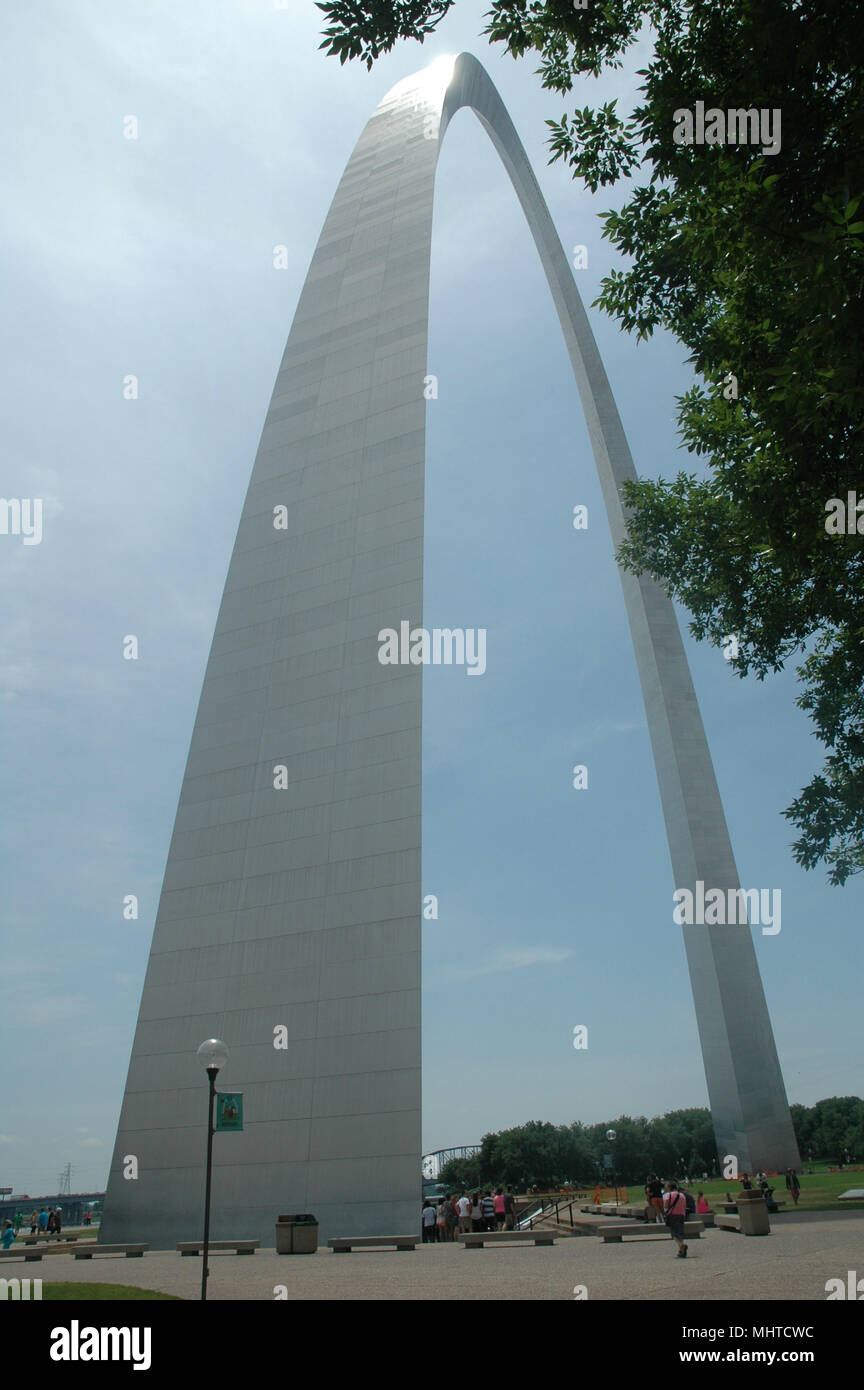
(229, 1110)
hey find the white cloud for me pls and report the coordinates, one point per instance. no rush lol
(512, 958)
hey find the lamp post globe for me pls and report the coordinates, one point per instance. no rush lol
(213, 1054)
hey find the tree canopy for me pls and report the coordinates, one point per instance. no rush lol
(672, 1145)
(752, 254)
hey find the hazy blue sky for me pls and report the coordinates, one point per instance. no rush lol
(154, 256)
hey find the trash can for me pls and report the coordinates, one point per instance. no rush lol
(753, 1214)
(296, 1234)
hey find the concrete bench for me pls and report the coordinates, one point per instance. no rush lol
(132, 1252)
(731, 1208)
(614, 1234)
(46, 1240)
(242, 1247)
(727, 1222)
(475, 1240)
(35, 1252)
(345, 1244)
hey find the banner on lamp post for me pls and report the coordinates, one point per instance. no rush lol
(229, 1110)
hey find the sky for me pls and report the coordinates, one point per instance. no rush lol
(154, 257)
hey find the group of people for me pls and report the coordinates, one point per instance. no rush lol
(672, 1205)
(793, 1186)
(48, 1219)
(481, 1211)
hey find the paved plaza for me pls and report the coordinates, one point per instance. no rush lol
(794, 1262)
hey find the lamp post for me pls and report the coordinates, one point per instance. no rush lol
(612, 1136)
(213, 1055)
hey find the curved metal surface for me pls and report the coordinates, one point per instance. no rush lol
(289, 918)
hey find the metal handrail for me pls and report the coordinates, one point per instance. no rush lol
(546, 1204)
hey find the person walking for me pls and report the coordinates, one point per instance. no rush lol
(509, 1210)
(43, 1219)
(793, 1186)
(58, 1220)
(49, 1224)
(19, 1217)
(8, 1234)
(464, 1205)
(34, 1222)
(675, 1207)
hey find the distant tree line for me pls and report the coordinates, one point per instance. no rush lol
(676, 1144)
(832, 1129)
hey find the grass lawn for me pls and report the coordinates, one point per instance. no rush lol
(819, 1191)
(87, 1293)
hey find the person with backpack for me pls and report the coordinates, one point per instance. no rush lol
(675, 1209)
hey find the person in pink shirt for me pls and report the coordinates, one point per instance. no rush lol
(675, 1208)
(500, 1209)
(702, 1206)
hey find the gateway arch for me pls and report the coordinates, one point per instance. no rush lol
(289, 920)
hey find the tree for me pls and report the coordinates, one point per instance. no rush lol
(802, 1120)
(752, 254)
(461, 1173)
(838, 1126)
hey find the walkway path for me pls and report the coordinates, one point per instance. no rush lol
(793, 1263)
